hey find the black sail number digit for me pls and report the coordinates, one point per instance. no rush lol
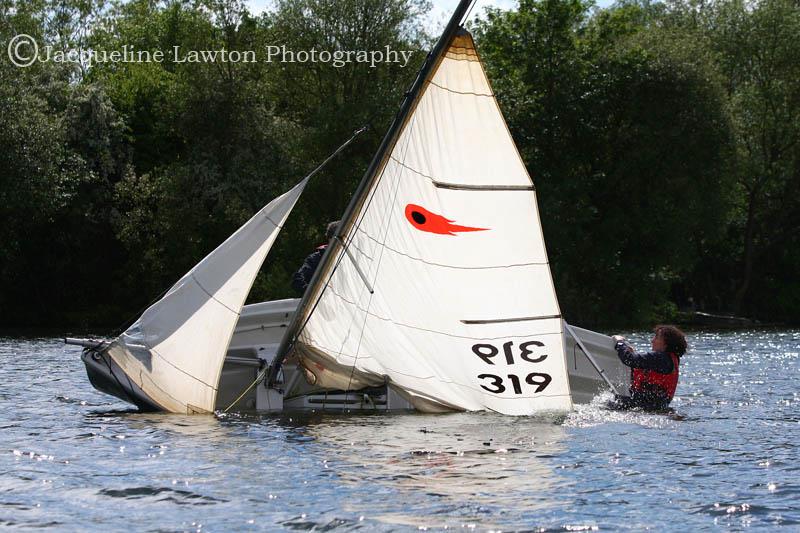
(497, 382)
(539, 380)
(485, 352)
(525, 352)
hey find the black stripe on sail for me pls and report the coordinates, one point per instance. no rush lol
(466, 187)
(504, 320)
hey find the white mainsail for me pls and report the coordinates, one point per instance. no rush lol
(174, 352)
(443, 289)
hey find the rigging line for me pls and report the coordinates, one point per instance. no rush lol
(259, 377)
(356, 226)
(179, 369)
(589, 356)
(388, 143)
(118, 330)
(388, 219)
(443, 265)
(328, 159)
(436, 331)
(211, 296)
(153, 350)
(471, 93)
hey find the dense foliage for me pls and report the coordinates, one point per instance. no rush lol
(664, 141)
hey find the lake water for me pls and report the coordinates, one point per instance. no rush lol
(728, 459)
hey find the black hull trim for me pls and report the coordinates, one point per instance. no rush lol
(106, 376)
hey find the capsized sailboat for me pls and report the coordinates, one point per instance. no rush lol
(436, 293)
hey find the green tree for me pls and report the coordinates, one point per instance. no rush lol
(624, 130)
(760, 52)
(328, 103)
(213, 142)
(61, 150)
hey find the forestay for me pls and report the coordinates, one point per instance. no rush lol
(174, 352)
(444, 290)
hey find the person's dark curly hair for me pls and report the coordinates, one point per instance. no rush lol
(330, 230)
(673, 338)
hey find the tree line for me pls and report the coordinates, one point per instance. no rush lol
(663, 139)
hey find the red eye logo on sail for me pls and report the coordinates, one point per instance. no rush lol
(424, 220)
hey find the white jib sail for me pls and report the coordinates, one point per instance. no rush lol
(456, 308)
(174, 352)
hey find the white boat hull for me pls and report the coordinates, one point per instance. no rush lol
(261, 327)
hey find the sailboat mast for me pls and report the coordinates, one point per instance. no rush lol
(407, 106)
(389, 140)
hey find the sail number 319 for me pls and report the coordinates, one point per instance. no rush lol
(524, 353)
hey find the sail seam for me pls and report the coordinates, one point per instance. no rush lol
(179, 369)
(442, 87)
(370, 313)
(452, 55)
(506, 320)
(388, 219)
(212, 296)
(451, 58)
(445, 185)
(153, 383)
(152, 349)
(488, 267)
(359, 250)
(273, 222)
(460, 47)
(359, 219)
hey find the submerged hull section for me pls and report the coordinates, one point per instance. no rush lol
(261, 327)
(106, 376)
(255, 342)
(438, 282)
(176, 349)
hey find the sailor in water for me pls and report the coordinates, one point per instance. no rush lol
(302, 278)
(655, 373)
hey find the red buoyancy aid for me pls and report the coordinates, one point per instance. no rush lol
(647, 380)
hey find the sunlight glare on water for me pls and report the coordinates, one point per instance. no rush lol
(72, 458)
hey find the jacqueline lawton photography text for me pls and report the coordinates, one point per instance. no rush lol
(23, 50)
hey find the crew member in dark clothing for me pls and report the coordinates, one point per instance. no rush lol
(302, 277)
(655, 373)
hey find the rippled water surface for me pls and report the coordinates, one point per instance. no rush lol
(74, 459)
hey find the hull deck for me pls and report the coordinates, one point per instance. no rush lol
(255, 342)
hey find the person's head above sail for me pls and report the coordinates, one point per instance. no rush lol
(330, 230)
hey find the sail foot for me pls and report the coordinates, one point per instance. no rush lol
(321, 370)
